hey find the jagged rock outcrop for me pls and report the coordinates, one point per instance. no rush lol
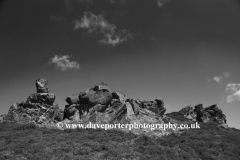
(99, 105)
(118, 96)
(39, 107)
(40, 98)
(201, 114)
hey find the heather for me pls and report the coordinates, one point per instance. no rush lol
(27, 141)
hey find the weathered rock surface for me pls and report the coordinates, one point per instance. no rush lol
(99, 105)
(118, 96)
(73, 99)
(40, 98)
(39, 107)
(207, 114)
(98, 94)
(42, 85)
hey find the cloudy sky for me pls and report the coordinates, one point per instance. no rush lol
(182, 51)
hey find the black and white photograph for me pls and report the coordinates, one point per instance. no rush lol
(119, 79)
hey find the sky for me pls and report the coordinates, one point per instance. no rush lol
(185, 52)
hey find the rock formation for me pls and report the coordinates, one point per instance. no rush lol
(200, 114)
(99, 105)
(39, 107)
(42, 85)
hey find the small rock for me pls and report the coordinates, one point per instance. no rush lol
(42, 85)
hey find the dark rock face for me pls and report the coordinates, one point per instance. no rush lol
(39, 107)
(42, 85)
(19, 113)
(98, 104)
(186, 110)
(71, 110)
(41, 98)
(99, 94)
(96, 98)
(118, 96)
(73, 99)
(207, 114)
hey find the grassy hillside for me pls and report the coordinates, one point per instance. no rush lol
(26, 141)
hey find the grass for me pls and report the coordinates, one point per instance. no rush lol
(29, 142)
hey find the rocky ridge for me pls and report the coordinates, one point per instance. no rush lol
(98, 104)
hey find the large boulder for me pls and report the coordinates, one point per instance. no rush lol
(99, 94)
(118, 96)
(212, 107)
(160, 105)
(198, 107)
(83, 99)
(72, 112)
(73, 99)
(42, 85)
(37, 99)
(47, 98)
(95, 99)
(201, 114)
(99, 97)
(156, 106)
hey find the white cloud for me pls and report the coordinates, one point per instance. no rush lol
(63, 63)
(233, 87)
(98, 24)
(234, 97)
(93, 23)
(116, 38)
(220, 77)
(110, 40)
(233, 90)
(217, 78)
